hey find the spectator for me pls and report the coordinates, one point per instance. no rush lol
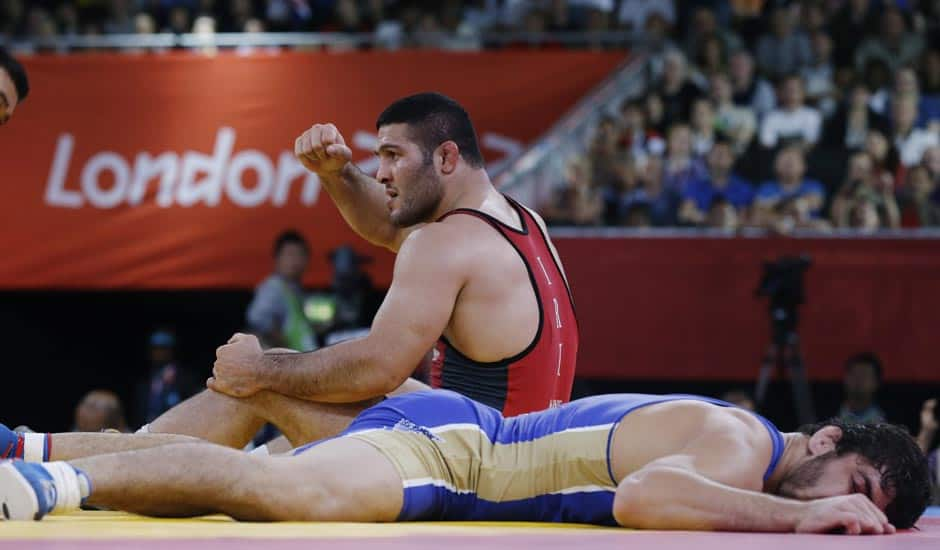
(721, 183)
(637, 215)
(848, 27)
(66, 16)
(930, 74)
(681, 166)
(882, 153)
(921, 198)
(14, 85)
(863, 376)
(99, 410)
(928, 425)
(657, 44)
(120, 19)
(905, 83)
(894, 46)
(289, 15)
(144, 24)
(710, 59)
(704, 29)
(793, 121)
(723, 216)
(925, 436)
(750, 90)
(352, 299)
(931, 162)
(276, 313)
(910, 141)
(239, 12)
(633, 14)
(819, 75)
(655, 113)
(745, 18)
(929, 107)
(738, 123)
(784, 51)
(865, 200)
(651, 201)
(637, 137)
(813, 17)
(578, 201)
(740, 398)
(791, 201)
(851, 123)
(703, 127)
(676, 90)
(168, 383)
(178, 21)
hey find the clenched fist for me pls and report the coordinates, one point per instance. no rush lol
(238, 367)
(322, 149)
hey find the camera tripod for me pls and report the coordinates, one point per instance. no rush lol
(783, 354)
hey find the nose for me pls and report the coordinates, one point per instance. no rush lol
(384, 173)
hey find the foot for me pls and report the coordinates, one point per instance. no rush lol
(27, 491)
(11, 443)
(28, 445)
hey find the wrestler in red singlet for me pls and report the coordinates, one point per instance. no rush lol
(541, 375)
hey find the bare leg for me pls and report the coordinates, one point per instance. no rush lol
(69, 446)
(194, 479)
(233, 422)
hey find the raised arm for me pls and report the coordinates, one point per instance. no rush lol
(359, 197)
(429, 275)
(715, 484)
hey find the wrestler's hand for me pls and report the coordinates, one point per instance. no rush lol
(851, 514)
(322, 149)
(238, 367)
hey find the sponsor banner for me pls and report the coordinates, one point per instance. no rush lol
(177, 171)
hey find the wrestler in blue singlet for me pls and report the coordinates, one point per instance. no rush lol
(461, 460)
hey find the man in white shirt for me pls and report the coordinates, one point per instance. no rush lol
(911, 142)
(792, 121)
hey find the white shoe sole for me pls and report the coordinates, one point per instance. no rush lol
(18, 501)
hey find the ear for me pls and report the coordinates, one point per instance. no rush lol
(824, 440)
(448, 155)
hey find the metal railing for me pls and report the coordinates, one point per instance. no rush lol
(534, 174)
(441, 40)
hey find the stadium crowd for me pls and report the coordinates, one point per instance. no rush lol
(808, 115)
(46, 18)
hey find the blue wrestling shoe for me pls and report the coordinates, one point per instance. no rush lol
(11, 443)
(27, 491)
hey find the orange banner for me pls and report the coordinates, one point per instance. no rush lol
(176, 171)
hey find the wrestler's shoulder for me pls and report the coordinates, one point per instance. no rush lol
(463, 230)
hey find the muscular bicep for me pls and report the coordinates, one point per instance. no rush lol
(418, 306)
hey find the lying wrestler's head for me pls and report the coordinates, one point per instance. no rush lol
(881, 461)
(14, 86)
(423, 139)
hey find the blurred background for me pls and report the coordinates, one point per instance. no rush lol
(745, 193)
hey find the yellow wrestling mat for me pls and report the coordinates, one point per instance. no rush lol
(119, 531)
(120, 525)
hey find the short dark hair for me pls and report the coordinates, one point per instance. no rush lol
(290, 237)
(892, 451)
(17, 74)
(432, 119)
(866, 358)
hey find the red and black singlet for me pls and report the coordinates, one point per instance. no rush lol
(541, 375)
